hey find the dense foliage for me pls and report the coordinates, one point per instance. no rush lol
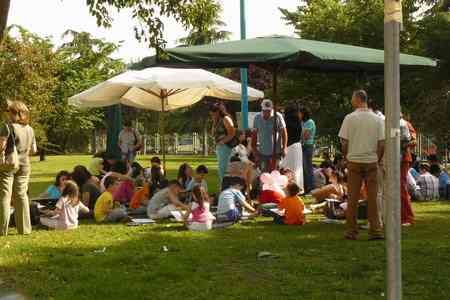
(33, 71)
(425, 32)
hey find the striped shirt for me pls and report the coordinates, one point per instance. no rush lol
(429, 187)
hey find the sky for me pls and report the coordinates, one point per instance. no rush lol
(53, 17)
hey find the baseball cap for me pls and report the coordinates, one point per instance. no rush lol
(266, 104)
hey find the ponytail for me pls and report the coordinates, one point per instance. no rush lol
(199, 195)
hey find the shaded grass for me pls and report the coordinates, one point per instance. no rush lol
(314, 261)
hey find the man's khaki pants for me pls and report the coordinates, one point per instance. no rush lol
(14, 185)
(357, 173)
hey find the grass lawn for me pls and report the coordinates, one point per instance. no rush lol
(313, 262)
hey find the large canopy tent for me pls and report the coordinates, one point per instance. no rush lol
(276, 53)
(161, 89)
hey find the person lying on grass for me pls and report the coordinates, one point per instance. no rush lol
(198, 216)
(336, 190)
(232, 202)
(65, 215)
(165, 201)
(106, 209)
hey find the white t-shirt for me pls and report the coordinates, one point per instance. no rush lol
(363, 129)
(68, 218)
(128, 140)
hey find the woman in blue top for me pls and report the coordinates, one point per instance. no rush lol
(54, 191)
(224, 132)
(308, 140)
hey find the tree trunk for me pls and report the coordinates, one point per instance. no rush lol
(205, 139)
(94, 141)
(4, 10)
(42, 155)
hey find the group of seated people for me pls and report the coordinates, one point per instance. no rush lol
(110, 190)
(428, 181)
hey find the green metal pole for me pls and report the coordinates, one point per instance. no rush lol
(114, 126)
(244, 78)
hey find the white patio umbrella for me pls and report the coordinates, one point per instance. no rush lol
(161, 89)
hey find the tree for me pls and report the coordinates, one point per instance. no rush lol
(351, 22)
(257, 77)
(4, 10)
(148, 15)
(204, 20)
(434, 104)
(84, 61)
(28, 70)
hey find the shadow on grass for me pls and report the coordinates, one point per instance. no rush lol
(312, 261)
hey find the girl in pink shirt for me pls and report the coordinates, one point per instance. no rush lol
(65, 216)
(198, 217)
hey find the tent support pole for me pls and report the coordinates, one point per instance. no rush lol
(275, 119)
(244, 74)
(162, 127)
(392, 160)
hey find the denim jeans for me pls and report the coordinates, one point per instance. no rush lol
(308, 152)
(130, 156)
(223, 153)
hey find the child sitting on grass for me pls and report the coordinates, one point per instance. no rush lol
(185, 175)
(231, 203)
(155, 175)
(199, 179)
(54, 191)
(125, 190)
(65, 216)
(165, 201)
(293, 207)
(202, 218)
(139, 202)
(106, 210)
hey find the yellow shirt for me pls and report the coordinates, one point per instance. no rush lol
(103, 205)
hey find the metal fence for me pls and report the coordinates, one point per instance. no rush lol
(194, 143)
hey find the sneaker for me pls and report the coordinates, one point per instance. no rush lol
(406, 224)
(376, 238)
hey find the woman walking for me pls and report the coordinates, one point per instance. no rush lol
(294, 156)
(14, 181)
(308, 140)
(224, 134)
